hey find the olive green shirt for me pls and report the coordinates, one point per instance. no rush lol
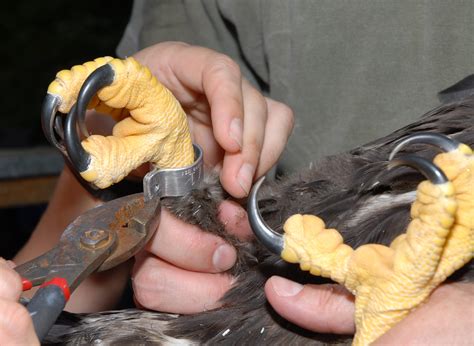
(352, 71)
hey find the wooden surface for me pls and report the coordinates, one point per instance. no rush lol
(26, 191)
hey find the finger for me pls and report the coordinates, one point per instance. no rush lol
(221, 82)
(235, 220)
(264, 155)
(160, 286)
(187, 70)
(10, 264)
(10, 282)
(320, 308)
(239, 168)
(16, 326)
(202, 135)
(279, 126)
(190, 248)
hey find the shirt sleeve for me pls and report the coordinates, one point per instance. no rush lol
(129, 43)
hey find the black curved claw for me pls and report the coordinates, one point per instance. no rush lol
(98, 79)
(435, 139)
(272, 240)
(79, 158)
(48, 119)
(59, 127)
(432, 172)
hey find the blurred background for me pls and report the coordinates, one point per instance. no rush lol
(41, 38)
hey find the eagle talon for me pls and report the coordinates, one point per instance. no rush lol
(389, 282)
(102, 77)
(98, 79)
(49, 120)
(432, 172)
(272, 240)
(438, 140)
(151, 125)
(79, 158)
(59, 127)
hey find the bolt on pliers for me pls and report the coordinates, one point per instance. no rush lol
(152, 127)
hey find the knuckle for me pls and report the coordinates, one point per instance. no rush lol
(149, 282)
(285, 114)
(260, 102)
(146, 274)
(254, 145)
(22, 318)
(178, 44)
(199, 245)
(149, 290)
(329, 298)
(223, 62)
(146, 298)
(18, 317)
(10, 285)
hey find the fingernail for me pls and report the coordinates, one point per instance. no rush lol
(284, 287)
(224, 257)
(11, 264)
(235, 131)
(245, 176)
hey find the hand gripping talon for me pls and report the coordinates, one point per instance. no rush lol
(389, 282)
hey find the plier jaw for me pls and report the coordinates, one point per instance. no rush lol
(99, 239)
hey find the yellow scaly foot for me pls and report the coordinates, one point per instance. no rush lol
(389, 282)
(152, 125)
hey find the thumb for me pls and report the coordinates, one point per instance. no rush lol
(10, 282)
(327, 308)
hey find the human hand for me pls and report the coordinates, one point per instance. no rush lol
(243, 134)
(16, 326)
(445, 319)
(181, 269)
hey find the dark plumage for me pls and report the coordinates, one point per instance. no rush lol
(352, 192)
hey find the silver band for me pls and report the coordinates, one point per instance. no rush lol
(174, 182)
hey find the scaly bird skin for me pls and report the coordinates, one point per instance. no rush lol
(389, 282)
(152, 125)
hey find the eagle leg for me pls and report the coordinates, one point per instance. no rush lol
(389, 282)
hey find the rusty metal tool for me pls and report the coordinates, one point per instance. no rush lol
(101, 239)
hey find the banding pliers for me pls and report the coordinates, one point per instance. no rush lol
(107, 235)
